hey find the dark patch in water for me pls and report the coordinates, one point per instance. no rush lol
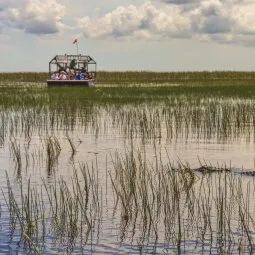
(211, 169)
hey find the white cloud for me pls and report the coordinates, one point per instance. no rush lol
(243, 18)
(133, 21)
(210, 17)
(33, 16)
(179, 2)
(223, 21)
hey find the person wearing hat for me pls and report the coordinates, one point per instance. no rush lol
(63, 75)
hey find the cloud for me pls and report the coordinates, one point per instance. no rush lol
(229, 21)
(222, 21)
(34, 16)
(136, 21)
(243, 18)
(179, 2)
(210, 17)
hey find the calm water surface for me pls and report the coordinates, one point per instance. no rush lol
(47, 137)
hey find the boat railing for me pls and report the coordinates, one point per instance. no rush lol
(83, 59)
(61, 58)
(90, 75)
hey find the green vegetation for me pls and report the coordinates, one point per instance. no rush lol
(147, 77)
(224, 112)
(157, 203)
(73, 63)
(156, 206)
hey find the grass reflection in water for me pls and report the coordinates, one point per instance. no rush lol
(156, 205)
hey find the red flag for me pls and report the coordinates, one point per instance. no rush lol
(75, 40)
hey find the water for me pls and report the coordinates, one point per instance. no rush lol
(48, 135)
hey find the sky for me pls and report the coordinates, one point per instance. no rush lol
(123, 35)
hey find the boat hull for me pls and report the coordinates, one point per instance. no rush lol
(88, 83)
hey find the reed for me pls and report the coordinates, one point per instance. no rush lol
(71, 208)
(155, 199)
(53, 149)
(142, 77)
(15, 149)
(27, 215)
(187, 212)
(72, 145)
(175, 115)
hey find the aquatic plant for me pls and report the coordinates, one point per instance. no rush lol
(157, 202)
(147, 77)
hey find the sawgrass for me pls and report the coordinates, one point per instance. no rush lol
(154, 199)
(148, 113)
(147, 77)
(157, 202)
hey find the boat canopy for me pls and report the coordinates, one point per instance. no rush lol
(76, 62)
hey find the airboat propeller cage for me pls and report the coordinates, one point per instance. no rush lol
(77, 62)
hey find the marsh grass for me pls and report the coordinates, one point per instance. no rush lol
(69, 210)
(157, 201)
(27, 215)
(147, 77)
(15, 149)
(162, 113)
(72, 145)
(53, 149)
(191, 206)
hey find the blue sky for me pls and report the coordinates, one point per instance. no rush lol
(160, 35)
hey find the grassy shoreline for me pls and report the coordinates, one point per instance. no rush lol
(141, 77)
(65, 138)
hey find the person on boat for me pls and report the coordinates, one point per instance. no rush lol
(83, 70)
(82, 76)
(78, 75)
(54, 76)
(90, 76)
(86, 75)
(72, 74)
(63, 76)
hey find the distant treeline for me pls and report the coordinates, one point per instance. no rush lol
(116, 77)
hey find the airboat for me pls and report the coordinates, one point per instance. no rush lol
(72, 70)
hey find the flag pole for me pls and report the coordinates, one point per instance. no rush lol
(77, 49)
(75, 41)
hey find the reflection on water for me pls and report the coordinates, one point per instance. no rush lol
(88, 176)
